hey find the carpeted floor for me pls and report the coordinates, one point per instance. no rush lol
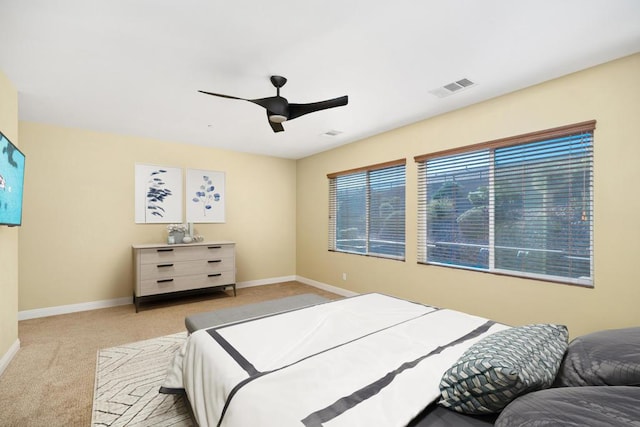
(51, 379)
(129, 376)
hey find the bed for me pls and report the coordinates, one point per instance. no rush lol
(368, 360)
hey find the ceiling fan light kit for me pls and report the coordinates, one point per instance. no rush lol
(280, 110)
(277, 118)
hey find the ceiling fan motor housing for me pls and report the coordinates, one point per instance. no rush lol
(278, 109)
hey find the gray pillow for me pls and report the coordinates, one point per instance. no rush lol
(610, 357)
(574, 406)
(502, 366)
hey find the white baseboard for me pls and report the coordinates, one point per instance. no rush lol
(9, 355)
(326, 287)
(261, 282)
(72, 308)
(94, 305)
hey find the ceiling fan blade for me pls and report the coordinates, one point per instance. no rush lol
(297, 110)
(222, 96)
(277, 127)
(263, 102)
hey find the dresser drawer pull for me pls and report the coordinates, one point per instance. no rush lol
(164, 265)
(165, 250)
(214, 260)
(214, 247)
(215, 275)
(164, 280)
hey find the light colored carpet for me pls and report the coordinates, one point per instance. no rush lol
(51, 380)
(129, 376)
(127, 381)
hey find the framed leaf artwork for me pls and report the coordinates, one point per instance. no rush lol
(205, 196)
(158, 194)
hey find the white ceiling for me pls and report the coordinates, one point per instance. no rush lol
(134, 66)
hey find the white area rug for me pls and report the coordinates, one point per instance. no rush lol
(128, 378)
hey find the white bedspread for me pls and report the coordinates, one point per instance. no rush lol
(369, 360)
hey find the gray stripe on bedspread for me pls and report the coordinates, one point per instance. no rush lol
(345, 403)
(234, 353)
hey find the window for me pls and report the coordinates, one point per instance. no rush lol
(366, 210)
(520, 206)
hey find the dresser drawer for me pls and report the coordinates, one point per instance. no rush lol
(169, 269)
(220, 278)
(218, 250)
(167, 255)
(214, 264)
(183, 283)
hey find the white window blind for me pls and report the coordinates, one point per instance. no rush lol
(367, 210)
(520, 206)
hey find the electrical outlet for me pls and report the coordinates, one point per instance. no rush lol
(344, 276)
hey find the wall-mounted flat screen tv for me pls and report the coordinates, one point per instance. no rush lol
(11, 182)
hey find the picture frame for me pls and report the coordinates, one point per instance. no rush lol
(205, 196)
(158, 194)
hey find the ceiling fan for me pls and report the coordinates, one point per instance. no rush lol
(280, 110)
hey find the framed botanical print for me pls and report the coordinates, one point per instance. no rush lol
(205, 196)
(158, 194)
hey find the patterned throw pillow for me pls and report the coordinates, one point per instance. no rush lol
(502, 366)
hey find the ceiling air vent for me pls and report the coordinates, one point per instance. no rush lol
(452, 88)
(332, 132)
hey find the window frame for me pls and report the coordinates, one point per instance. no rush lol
(333, 205)
(491, 146)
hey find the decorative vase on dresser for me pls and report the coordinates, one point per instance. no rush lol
(168, 270)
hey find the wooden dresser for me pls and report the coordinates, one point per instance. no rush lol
(163, 270)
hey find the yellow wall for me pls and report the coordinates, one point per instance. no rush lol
(610, 94)
(78, 224)
(8, 236)
(75, 244)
